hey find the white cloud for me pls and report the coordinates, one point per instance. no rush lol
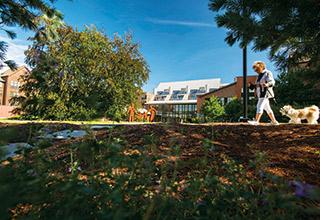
(15, 50)
(181, 23)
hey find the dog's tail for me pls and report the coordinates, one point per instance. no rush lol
(316, 109)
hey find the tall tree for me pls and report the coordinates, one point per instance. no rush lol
(299, 88)
(82, 75)
(21, 13)
(289, 28)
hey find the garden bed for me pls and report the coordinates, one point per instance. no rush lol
(166, 171)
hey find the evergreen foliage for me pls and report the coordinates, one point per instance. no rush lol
(289, 28)
(23, 13)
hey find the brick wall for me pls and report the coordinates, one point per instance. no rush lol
(5, 111)
(12, 83)
(229, 91)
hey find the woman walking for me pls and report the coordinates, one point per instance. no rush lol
(264, 92)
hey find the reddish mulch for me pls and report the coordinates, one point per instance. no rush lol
(293, 151)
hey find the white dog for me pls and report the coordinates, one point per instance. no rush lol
(311, 114)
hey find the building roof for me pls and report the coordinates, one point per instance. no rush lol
(221, 88)
(192, 84)
(225, 86)
(10, 72)
(172, 102)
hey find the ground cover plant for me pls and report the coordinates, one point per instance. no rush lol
(168, 172)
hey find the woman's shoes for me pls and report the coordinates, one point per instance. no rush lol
(253, 122)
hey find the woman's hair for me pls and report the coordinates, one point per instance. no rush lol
(260, 64)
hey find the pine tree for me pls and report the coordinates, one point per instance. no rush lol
(21, 13)
(289, 28)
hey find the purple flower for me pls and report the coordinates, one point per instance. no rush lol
(69, 169)
(262, 174)
(61, 74)
(302, 189)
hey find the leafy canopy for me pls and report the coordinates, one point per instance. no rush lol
(82, 75)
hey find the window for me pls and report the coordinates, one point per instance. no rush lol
(176, 97)
(193, 97)
(180, 92)
(175, 92)
(194, 91)
(159, 98)
(13, 94)
(183, 91)
(14, 84)
(225, 100)
(202, 90)
(165, 92)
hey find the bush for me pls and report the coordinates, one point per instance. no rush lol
(212, 110)
(233, 110)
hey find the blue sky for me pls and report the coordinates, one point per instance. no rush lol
(178, 38)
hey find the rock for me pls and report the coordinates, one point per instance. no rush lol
(99, 127)
(65, 134)
(12, 149)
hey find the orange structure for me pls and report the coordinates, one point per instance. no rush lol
(140, 116)
(131, 112)
(153, 112)
(145, 116)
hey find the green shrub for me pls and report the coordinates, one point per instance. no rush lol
(212, 109)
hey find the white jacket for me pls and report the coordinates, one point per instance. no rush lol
(267, 79)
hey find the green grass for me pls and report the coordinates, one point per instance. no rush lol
(12, 121)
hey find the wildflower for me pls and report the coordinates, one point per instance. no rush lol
(70, 169)
(302, 189)
(61, 74)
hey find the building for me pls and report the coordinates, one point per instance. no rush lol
(179, 99)
(227, 92)
(146, 97)
(10, 81)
